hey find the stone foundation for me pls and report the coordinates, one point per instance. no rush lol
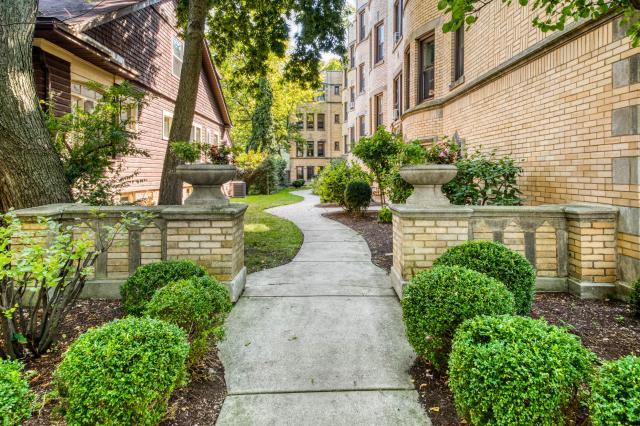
(211, 237)
(572, 248)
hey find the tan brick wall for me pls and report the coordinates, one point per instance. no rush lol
(592, 250)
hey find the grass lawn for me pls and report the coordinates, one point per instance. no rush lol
(269, 241)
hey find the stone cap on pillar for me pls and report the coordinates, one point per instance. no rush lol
(438, 212)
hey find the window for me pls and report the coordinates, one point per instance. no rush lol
(196, 133)
(336, 145)
(299, 121)
(363, 29)
(320, 121)
(177, 53)
(407, 79)
(167, 120)
(346, 145)
(397, 96)
(378, 105)
(352, 56)
(300, 149)
(311, 172)
(361, 124)
(310, 121)
(352, 139)
(346, 113)
(379, 54)
(336, 89)
(83, 98)
(321, 149)
(458, 48)
(208, 138)
(352, 96)
(300, 172)
(336, 118)
(427, 76)
(361, 78)
(397, 21)
(216, 139)
(310, 151)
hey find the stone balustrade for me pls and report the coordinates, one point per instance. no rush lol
(212, 237)
(572, 247)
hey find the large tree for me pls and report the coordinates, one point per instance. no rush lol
(553, 14)
(31, 172)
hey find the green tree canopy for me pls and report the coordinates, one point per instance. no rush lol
(553, 14)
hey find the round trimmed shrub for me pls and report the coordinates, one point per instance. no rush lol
(385, 215)
(508, 370)
(122, 372)
(298, 183)
(138, 289)
(15, 398)
(436, 302)
(615, 393)
(199, 306)
(357, 196)
(499, 262)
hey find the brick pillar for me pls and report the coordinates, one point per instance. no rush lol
(592, 251)
(213, 238)
(420, 235)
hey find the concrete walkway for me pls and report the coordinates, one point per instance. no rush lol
(319, 341)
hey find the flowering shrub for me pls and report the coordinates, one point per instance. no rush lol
(219, 154)
(444, 151)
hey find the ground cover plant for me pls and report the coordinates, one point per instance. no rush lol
(122, 372)
(269, 241)
(499, 262)
(139, 288)
(615, 393)
(437, 301)
(516, 370)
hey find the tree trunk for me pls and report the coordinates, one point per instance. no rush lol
(170, 185)
(31, 173)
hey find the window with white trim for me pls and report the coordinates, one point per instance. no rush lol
(177, 49)
(196, 133)
(167, 120)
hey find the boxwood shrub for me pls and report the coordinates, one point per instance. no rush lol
(15, 398)
(357, 196)
(122, 372)
(138, 289)
(499, 262)
(508, 370)
(436, 302)
(198, 305)
(615, 393)
(634, 298)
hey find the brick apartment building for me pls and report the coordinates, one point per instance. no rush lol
(565, 103)
(115, 40)
(320, 124)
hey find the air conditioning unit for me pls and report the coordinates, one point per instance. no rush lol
(352, 105)
(396, 36)
(396, 114)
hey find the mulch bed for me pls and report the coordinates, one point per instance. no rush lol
(377, 235)
(198, 403)
(606, 327)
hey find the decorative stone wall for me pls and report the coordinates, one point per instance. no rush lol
(573, 248)
(211, 237)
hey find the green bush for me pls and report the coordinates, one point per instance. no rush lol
(615, 393)
(332, 181)
(269, 176)
(385, 215)
(436, 302)
(509, 370)
(634, 299)
(357, 196)
(15, 398)
(198, 305)
(483, 179)
(298, 183)
(122, 372)
(138, 289)
(499, 262)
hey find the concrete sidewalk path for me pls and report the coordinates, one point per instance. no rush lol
(319, 341)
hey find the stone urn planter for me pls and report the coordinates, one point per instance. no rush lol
(427, 181)
(206, 180)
